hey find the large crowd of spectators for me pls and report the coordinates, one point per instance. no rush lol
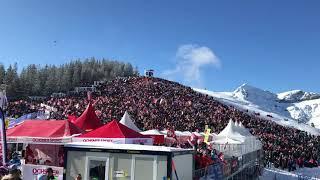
(18, 108)
(160, 104)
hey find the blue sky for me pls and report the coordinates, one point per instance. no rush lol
(217, 45)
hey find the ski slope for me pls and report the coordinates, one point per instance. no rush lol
(299, 174)
(297, 109)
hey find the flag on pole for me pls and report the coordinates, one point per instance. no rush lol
(206, 136)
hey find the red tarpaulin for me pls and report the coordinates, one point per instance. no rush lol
(157, 137)
(72, 118)
(88, 120)
(43, 131)
(115, 132)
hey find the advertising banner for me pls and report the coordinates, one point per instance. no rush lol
(39, 172)
(39, 140)
(145, 141)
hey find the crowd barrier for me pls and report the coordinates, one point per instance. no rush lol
(212, 172)
(230, 167)
(216, 171)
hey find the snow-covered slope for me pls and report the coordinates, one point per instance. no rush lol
(299, 174)
(293, 108)
(297, 95)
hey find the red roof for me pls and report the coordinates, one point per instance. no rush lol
(113, 129)
(88, 120)
(44, 128)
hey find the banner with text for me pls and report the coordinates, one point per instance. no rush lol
(38, 172)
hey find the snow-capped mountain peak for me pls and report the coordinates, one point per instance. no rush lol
(293, 108)
(249, 93)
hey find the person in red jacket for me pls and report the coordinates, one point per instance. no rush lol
(29, 156)
(300, 162)
(206, 159)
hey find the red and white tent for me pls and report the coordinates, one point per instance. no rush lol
(157, 136)
(43, 132)
(127, 121)
(114, 132)
(88, 120)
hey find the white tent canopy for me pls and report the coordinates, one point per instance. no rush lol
(197, 134)
(180, 133)
(230, 133)
(236, 140)
(186, 133)
(127, 121)
(164, 132)
(228, 140)
(151, 132)
(242, 130)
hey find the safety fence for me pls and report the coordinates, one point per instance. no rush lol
(212, 172)
(243, 167)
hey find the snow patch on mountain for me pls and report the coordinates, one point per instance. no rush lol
(297, 95)
(250, 93)
(308, 111)
(300, 173)
(259, 99)
(293, 108)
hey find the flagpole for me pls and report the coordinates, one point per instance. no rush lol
(4, 137)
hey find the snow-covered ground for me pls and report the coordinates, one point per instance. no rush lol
(300, 174)
(296, 108)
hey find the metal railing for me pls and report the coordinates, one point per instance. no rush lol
(212, 172)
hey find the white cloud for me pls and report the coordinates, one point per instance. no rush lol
(191, 59)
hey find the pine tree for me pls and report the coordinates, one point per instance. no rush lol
(128, 69)
(76, 77)
(23, 82)
(43, 81)
(12, 81)
(51, 82)
(2, 74)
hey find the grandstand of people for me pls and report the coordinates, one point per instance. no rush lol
(156, 103)
(159, 90)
